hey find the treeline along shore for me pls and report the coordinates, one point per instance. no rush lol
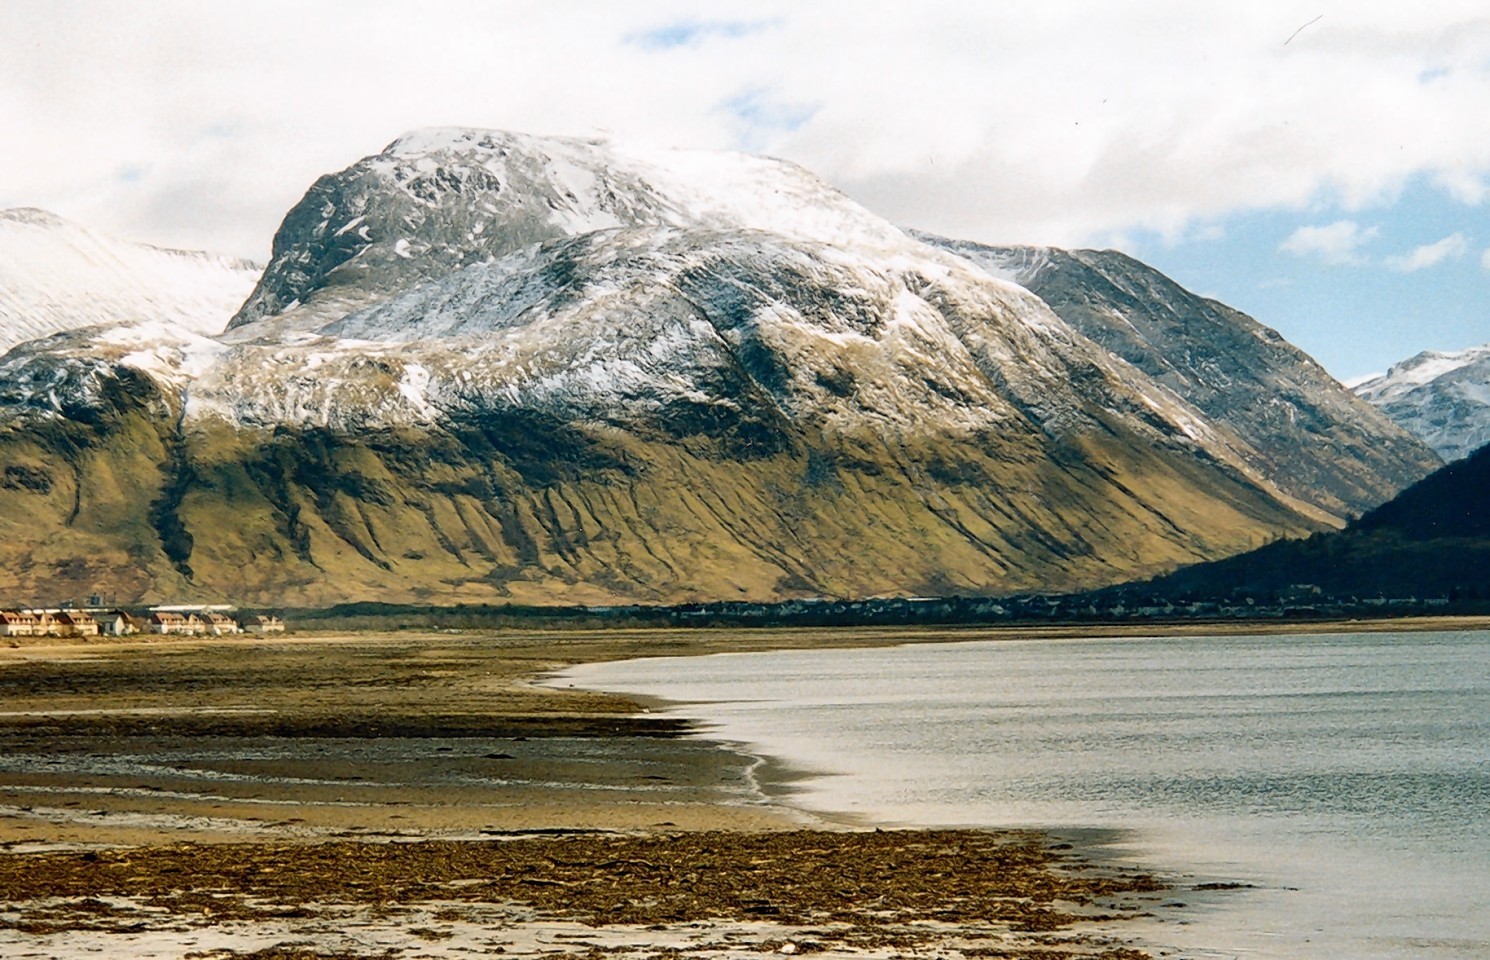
(1116, 608)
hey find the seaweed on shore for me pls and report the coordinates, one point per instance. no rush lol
(857, 879)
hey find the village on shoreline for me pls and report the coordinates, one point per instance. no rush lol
(96, 618)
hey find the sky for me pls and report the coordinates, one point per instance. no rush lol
(1323, 165)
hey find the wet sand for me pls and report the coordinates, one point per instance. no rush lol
(119, 760)
(308, 738)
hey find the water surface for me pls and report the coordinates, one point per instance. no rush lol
(1344, 778)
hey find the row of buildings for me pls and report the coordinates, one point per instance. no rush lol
(184, 621)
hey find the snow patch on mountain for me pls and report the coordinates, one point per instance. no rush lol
(1420, 370)
(1441, 397)
(57, 276)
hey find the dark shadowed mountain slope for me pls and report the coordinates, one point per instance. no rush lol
(1433, 540)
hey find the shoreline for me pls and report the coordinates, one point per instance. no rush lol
(185, 753)
(484, 698)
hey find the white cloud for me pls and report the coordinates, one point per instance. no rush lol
(1430, 254)
(200, 124)
(1339, 242)
(1485, 258)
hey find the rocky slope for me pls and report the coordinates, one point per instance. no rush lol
(1303, 429)
(483, 365)
(440, 199)
(1441, 398)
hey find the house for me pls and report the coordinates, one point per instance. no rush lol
(14, 623)
(263, 624)
(117, 623)
(217, 624)
(164, 621)
(77, 623)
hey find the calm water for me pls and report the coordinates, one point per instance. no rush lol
(1346, 778)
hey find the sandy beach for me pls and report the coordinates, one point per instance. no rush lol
(415, 794)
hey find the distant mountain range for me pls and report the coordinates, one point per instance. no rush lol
(484, 366)
(1441, 398)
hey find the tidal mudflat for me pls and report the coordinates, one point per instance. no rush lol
(425, 795)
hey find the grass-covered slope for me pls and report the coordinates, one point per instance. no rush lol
(549, 512)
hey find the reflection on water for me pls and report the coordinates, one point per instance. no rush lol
(1345, 778)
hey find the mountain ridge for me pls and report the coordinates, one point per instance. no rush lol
(478, 368)
(57, 276)
(1302, 428)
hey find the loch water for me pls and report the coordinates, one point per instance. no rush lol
(1339, 784)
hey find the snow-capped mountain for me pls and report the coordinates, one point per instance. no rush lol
(489, 365)
(57, 276)
(1302, 428)
(439, 199)
(1442, 398)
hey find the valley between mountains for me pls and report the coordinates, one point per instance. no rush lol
(482, 366)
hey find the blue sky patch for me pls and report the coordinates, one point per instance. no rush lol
(762, 117)
(688, 33)
(1410, 276)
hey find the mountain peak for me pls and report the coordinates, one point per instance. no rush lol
(1443, 397)
(1429, 365)
(444, 198)
(36, 216)
(427, 140)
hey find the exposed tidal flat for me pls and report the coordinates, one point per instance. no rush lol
(426, 794)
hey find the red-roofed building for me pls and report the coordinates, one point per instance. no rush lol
(163, 621)
(14, 623)
(77, 623)
(217, 624)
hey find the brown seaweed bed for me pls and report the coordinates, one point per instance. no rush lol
(960, 892)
